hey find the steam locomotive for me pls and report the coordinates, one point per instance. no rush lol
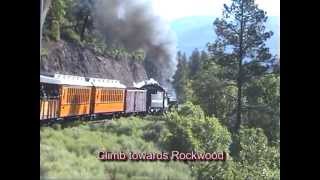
(64, 97)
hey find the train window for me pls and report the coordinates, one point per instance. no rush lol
(68, 95)
(84, 96)
(72, 96)
(116, 96)
(81, 96)
(87, 96)
(76, 96)
(113, 96)
(101, 95)
(109, 96)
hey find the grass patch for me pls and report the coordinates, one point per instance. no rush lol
(71, 152)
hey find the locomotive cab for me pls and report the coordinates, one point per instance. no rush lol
(156, 98)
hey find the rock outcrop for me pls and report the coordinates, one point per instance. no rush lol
(69, 58)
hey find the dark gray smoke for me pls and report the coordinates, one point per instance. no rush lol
(132, 25)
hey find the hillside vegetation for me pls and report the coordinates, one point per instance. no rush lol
(71, 151)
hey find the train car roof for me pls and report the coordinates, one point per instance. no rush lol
(153, 86)
(99, 82)
(65, 80)
(135, 89)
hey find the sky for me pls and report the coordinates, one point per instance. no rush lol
(171, 10)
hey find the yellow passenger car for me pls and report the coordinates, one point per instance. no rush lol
(75, 100)
(64, 96)
(108, 96)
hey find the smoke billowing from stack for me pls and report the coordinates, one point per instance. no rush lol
(132, 25)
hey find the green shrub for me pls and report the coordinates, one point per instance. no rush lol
(196, 132)
(55, 30)
(44, 52)
(70, 35)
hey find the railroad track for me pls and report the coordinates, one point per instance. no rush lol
(108, 119)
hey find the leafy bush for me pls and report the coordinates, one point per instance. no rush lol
(257, 159)
(196, 132)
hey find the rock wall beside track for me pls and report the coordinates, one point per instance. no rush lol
(68, 58)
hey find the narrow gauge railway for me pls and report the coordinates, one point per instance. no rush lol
(68, 98)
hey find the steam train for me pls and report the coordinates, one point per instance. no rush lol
(64, 97)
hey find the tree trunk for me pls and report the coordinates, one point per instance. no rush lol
(239, 79)
(84, 27)
(45, 6)
(239, 105)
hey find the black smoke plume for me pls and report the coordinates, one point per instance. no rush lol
(132, 25)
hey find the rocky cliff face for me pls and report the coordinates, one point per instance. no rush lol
(72, 59)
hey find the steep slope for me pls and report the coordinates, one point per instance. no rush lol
(69, 58)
